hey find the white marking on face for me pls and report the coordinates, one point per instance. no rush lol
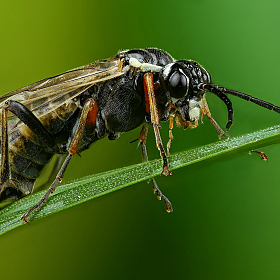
(195, 108)
(194, 113)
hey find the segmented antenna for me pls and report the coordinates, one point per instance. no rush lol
(257, 101)
(225, 99)
(219, 91)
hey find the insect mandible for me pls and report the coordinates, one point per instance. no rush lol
(66, 113)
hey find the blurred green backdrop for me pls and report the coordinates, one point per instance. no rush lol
(225, 223)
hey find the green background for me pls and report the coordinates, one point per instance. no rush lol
(225, 223)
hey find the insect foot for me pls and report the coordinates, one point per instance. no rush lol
(160, 196)
(165, 171)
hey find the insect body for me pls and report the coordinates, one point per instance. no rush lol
(65, 114)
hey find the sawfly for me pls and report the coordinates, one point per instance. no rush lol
(66, 113)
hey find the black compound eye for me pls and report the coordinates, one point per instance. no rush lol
(178, 84)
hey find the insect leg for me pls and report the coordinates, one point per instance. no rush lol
(260, 153)
(5, 167)
(149, 90)
(51, 189)
(171, 119)
(29, 119)
(58, 161)
(205, 111)
(85, 119)
(142, 140)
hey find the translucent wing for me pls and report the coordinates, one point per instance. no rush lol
(51, 93)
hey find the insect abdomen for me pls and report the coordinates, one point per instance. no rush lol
(27, 157)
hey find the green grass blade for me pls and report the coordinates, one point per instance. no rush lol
(83, 189)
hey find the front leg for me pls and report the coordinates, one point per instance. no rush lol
(151, 99)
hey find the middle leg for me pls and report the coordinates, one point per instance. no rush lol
(142, 141)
